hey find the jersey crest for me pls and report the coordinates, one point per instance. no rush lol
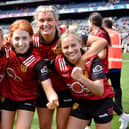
(75, 106)
(57, 50)
(85, 73)
(23, 68)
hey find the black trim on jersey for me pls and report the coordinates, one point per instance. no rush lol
(25, 54)
(42, 41)
(67, 62)
(97, 74)
(41, 69)
(2, 52)
(51, 64)
(82, 51)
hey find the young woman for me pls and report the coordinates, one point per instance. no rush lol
(45, 42)
(98, 41)
(92, 92)
(95, 26)
(24, 69)
(3, 62)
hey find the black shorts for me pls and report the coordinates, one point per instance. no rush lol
(11, 105)
(100, 110)
(65, 99)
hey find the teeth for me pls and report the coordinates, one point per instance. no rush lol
(71, 54)
(45, 29)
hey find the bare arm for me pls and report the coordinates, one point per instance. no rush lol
(41, 71)
(95, 87)
(102, 54)
(96, 45)
(50, 93)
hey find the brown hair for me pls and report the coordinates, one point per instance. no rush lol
(107, 22)
(21, 24)
(96, 19)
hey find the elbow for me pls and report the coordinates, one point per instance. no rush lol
(101, 57)
(100, 92)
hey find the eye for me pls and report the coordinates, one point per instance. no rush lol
(47, 20)
(50, 20)
(73, 45)
(41, 20)
(66, 47)
(24, 38)
(16, 38)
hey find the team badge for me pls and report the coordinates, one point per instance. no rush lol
(57, 50)
(3, 99)
(97, 68)
(23, 68)
(85, 73)
(75, 106)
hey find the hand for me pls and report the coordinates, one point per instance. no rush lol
(53, 102)
(77, 72)
(52, 105)
(7, 40)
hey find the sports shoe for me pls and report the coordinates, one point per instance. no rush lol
(87, 127)
(124, 118)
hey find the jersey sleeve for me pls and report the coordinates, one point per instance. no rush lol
(42, 71)
(97, 70)
(2, 52)
(51, 64)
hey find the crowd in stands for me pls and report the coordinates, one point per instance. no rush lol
(120, 24)
(73, 5)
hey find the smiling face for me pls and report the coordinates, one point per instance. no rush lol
(46, 22)
(70, 47)
(21, 41)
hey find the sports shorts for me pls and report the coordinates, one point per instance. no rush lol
(100, 110)
(11, 105)
(65, 99)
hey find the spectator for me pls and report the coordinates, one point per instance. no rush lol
(114, 74)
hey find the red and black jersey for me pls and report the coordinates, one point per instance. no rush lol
(48, 52)
(22, 81)
(94, 72)
(101, 33)
(3, 62)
